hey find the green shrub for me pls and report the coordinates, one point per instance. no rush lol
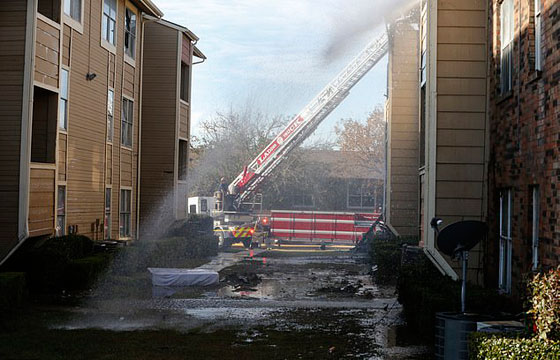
(386, 255)
(82, 273)
(13, 290)
(503, 347)
(545, 304)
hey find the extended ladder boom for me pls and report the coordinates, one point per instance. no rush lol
(309, 118)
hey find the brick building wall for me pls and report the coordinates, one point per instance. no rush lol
(525, 141)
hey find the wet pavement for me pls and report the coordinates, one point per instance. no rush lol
(266, 293)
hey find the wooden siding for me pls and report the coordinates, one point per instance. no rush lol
(461, 88)
(93, 164)
(47, 52)
(41, 201)
(159, 116)
(12, 43)
(461, 114)
(184, 121)
(402, 206)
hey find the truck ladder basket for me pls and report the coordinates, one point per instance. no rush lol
(309, 118)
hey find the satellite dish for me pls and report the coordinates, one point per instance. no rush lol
(461, 236)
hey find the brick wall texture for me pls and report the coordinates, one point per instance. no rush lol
(525, 138)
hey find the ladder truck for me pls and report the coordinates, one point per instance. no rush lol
(233, 221)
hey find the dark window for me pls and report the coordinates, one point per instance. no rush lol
(50, 9)
(130, 33)
(192, 209)
(183, 159)
(127, 122)
(125, 214)
(203, 205)
(107, 220)
(361, 194)
(43, 133)
(185, 82)
(61, 211)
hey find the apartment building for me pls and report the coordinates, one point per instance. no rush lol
(524, 112)
(166, 110)
(70, 120)
(401, 112)
(453, 123)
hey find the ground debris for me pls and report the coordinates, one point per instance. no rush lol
(242, 281)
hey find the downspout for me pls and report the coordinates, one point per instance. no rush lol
(145, 20)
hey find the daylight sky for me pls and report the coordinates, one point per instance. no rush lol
(275, 55)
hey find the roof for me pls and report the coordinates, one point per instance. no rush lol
(172, 25)
(149, 7)
(345, 164)
(198, 53)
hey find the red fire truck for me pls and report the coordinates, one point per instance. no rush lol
(234, 209)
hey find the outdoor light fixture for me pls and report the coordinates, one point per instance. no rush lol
(90, 76)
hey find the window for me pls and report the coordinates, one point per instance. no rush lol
(538, 35)
(50, 9)
(424, 44)
(110, 114)
(422, 139)
(125, 214)
(44, 126)
(73, 8)
(130, 33)
(185, 83)
(360, 194)
(535, 225)
(302, 200)
(61, 211)
(183, 159)
(107, 220)
(109, 22)
(127, 122)
(63, 106)
(506, 41)
(504, 274)
(203, 205)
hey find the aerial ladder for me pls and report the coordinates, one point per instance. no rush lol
(231, 223)
(304, 123)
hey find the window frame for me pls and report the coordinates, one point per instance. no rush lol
(130, 59)
(112, 47)
(78, 25)
(538, 34)
(535, 198)
(61, 209)
(182, 159)
(363, 195)
(185, 81)
(110, 117)
(107, 214)
(127, 121)
(505, 239)
(63, 101)
(125, 215)
(506, 45)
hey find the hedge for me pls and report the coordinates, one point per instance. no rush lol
(82, 273)
(13, 291)
(386, 254)
(499, 347)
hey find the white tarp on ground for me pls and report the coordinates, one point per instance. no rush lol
(183, 277)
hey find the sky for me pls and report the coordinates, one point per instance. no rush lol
(276, 55)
